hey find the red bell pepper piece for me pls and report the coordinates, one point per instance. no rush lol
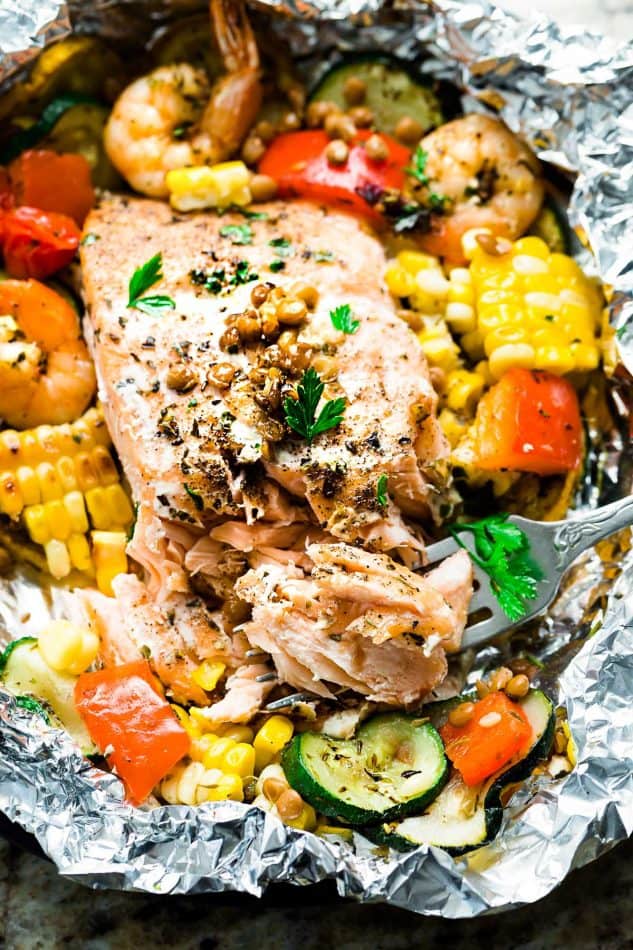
(37, 243)
(298, 163)
(498, 731)
(132, 724)
(52, 182)
(529, 422)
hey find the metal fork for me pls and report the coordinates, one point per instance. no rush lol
(554, 545)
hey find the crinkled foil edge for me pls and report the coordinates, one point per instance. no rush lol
(570, 93)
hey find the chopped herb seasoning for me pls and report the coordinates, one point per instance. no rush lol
(323, 257)
(195, 497)
(238, 233)
(142, 279)
(89, 238)
(343, 320)
(381, 490)
(276, 265)
(282, 246)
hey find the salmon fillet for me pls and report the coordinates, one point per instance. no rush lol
(220, 482)
(358, 621)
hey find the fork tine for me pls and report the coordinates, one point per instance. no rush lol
(484, 630)
(441, 550)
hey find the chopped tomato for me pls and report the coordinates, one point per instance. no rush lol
(52, 182)
(132, 724)
(529, 422)
(498, 731)
(298, 163)
(37, 243)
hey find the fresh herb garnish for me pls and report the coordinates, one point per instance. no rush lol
(282, 245)
(30, 704)
(623, 331)
(90, 238)
(238, 233)
(343, 320)
(251, 215)
(323, 257)
(301, 412)
(242, 274)
(181, 130)
(143, 278)
(418, 169)
(277, 265)
(195, 497)
(437, 202)
(381, 490)
(502, 551)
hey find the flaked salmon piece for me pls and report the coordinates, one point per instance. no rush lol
(200, 455)
(174, 635)
(244, 697)
(358, 621)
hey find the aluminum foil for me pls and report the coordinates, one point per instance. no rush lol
(571, 95)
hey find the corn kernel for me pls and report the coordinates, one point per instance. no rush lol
(586, 356)
(240, 760)
(502, 336)
(66, 471)
(461, 317)
(220, 788)
(271, 738)
(306, 820)
(85, 472)
(57, 559)
(453, 428)
(214, 756)
(68, 648)
(58, 519)
(338, 831)
(510, 355)
(11, 498)
(203, 186)
(414, 261)
(29, 485)
(470, 244)
(200, 743)
(37, 524)
(526, 264)
(236, 732)
(118, 504)
(532, 247)
(463, 390)
(76, 511)
(473, 344)
(108, 550)
(104, 465)
(555, 359)
(208, 675)
(399, 282)
(442, 352)
(50, 484)
(79, 553)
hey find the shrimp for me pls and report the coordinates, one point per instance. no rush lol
(172, 118)
(490, 180)
(46, 374)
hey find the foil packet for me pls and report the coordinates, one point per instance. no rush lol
(570, 94)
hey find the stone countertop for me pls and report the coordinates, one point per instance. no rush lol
(593, 908)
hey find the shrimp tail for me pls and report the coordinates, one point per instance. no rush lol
(234, 35)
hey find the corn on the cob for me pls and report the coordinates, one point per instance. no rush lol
(534, 308)
(61, 480)
(204, 186)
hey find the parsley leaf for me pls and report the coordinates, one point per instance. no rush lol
(195, 497)
(502, 550)
(301, 412)
(381, 490)
(238, 233)
(89, 238)
(277, 265)
(251, 215)
(242, 274)
(323, 257)
(343, 320)
(142, 279)
(282, 246)
(418, 169)
(623, 332)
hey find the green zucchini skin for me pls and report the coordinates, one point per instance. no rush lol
(392, 91)
(51, 114)
(301, 775)
(486, 822)
(10, 647)
(552, 227)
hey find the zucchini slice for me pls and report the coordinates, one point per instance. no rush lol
(394, 765)
(392, 93)
(552, 227)
(25, 674)
(461, 817)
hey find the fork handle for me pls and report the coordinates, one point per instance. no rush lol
(573, 537)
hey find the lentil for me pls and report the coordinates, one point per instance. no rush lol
(263, 188)
(500, 678)
(339, 126)
(376, 149)
(265, 130)
(259, 294)
(181, 378)
(337, 152)
(461, 715)
(317, 113)
(518, 686)
(253, 149)
(292, 311)
(273, 788)
(221, 374)
(289, 805)
(290, 122)
(408, 130)
(361, 116)
(354, 90)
